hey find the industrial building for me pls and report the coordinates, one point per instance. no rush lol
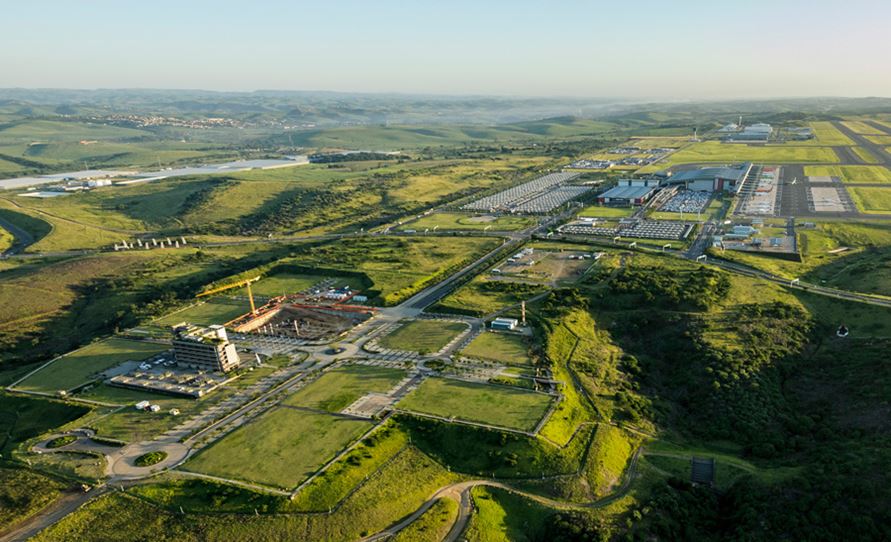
(630, 192)
(205, 348)
(504, 324)
(711, 179)
(758, 132)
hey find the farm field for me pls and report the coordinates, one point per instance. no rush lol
(499, 347)
(280, 448)
(466, 221)
(852, 174)
(871, 200)
(501, 406)
(338, 388)
(422, 335)
(81, 366)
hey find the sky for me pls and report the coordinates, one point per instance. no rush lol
(677, 49)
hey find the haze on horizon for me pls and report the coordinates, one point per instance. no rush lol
(644, 50)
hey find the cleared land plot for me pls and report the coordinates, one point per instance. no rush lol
(499, 347)
(422, 335)
(713, 151)
(548, 267)
(851, 174)
(280, 448)
(216, 311)
(871, 200)
(467, 221)
(502, 406)
(339, 387)
(81, 366)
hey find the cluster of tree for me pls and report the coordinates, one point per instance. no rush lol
(698, 289)
(336, 157)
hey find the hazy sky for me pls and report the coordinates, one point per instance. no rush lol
(658, 49)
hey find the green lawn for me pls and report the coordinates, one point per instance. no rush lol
(466, 221)
(852, 174)
(602, 211)
(23, 418)
(6, 240)
(499, 347)
(865, 155)
(280, 448)
(339, 387)
(81, 366)
(290, 283)
(424, 336)
(433, 525)
(216, 311)
(861, 128)
(502, 406)
(871, 200)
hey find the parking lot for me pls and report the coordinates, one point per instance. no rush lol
(510, 198)
(687, 201)
(551, 199)
(644, 229)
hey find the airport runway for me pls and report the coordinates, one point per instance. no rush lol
(878, 151)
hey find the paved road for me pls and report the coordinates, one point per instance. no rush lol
(876, 150)
(70, 501)
(22, 238)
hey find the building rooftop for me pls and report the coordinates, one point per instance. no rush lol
(627, 192)
(710, 173)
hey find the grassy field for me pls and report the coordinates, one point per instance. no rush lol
(433, 526)
(827, 134)
(482, 295)
(884, 139)
(24, 493)
(603, 211)
(279, 449)
(290, 283)
(865, 155)
(218, 310)
(24, 418)
(862, 128)
(6, 240)
(81, 366)
(871, 200)
(501, 406)
(504, 517)
(852, 174)
(466, 221)
(338, 388)
(714, 151)
(424, 336)
(499, 347)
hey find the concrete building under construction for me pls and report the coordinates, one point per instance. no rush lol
(303, 321)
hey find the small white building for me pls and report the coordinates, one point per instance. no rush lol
(505, 324)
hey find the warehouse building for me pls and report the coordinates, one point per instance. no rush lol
(755, 132)
(711, 179)
(504, 324)
(629, 194)
(204, 348)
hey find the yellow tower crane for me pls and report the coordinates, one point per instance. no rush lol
(235, 285)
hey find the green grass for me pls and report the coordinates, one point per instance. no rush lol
(500, 406)
(23, 493)
(340, 387)
(291, 283)
(465, 221)
(865, 155)
(602, 211)
(150, 458)
(433, 525)
(279, 449)
(58, 442)
(84, 365)
(861, 128)
(827, 134)
(852, 174)
(425, 336)
(218, 310)
(23, 418)
(504, 517)
(871, 200)
(6, 240)
(499, 347)
(713, 151)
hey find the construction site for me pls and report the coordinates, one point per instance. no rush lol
(320, 313)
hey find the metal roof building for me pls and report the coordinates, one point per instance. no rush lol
(712, 179)
(627, 195)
